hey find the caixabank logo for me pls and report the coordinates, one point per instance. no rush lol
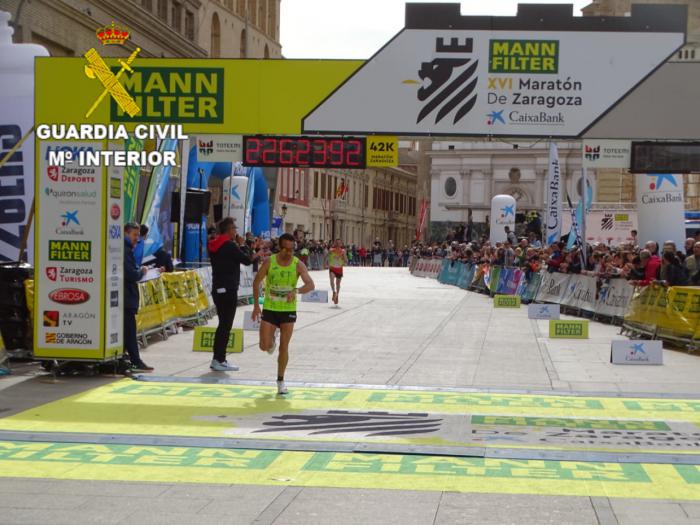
(663, 188)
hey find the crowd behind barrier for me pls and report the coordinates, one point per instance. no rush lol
(659, 312)
(171, 300)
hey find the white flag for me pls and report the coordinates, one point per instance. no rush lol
(553, 215)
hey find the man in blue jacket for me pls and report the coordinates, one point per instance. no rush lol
(132, 275)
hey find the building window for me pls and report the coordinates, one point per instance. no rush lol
(261, 15)
(176, 16)
(189, 25)
(267, 52)
(450, 186)
(229, 5)
(215, 50)
(366, 196)
(244, 43)
(252, 12)
(315, 184)
(163, 9)
(240, 8)
(272, 19)
(323, 185)
(147, 5)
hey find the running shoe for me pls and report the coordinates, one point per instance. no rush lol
(281, 388)
(222, 367)
(141, 367)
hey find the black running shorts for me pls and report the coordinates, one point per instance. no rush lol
(279, 318)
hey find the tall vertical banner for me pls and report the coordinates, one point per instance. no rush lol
(157, 189)
(553, 213)
(660, 208)
(235, 190)
(79, 253)
(132, 174)
(16, 121)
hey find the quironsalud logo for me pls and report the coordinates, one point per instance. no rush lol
(658, 180)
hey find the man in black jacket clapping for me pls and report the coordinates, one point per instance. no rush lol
(226, 257)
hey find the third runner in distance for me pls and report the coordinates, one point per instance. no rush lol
(337, 259)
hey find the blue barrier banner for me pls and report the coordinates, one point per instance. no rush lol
(509, 281)
(531, 287)
(452, 272)
(443, 271)
(467, 276)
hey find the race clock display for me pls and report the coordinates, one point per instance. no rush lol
(304, 152)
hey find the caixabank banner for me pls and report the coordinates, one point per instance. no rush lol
(545, 74)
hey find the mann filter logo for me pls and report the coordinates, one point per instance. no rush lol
(568, 329)
(451, 81)
(80, 251)
(524, 56)
(169, 94)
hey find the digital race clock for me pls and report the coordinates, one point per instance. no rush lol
(304, 152)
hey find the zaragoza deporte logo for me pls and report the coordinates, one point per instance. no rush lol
(97, 68)
(451, 80)
(659, 179)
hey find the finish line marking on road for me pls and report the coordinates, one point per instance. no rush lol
(343, 470)
(412, 419)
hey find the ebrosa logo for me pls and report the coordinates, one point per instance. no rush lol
(69, 296)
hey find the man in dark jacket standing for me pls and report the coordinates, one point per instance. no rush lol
(226, 257)
(132, 276)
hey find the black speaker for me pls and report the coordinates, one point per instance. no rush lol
(196, 205)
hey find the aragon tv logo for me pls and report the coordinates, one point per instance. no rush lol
(658, 180)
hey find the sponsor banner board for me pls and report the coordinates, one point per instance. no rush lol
(636, 353)
(248, 323)
(204, 340)
(559, 329)
(506, 301)
(219, 148)
(316, 296)
(606, 153)
(450, 75)
(75, 241)
(543, 311)
(661, 207)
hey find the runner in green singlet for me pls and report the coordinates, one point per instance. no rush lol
(281, 273)
(337, 259)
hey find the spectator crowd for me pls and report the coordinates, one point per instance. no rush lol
(667, 265)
